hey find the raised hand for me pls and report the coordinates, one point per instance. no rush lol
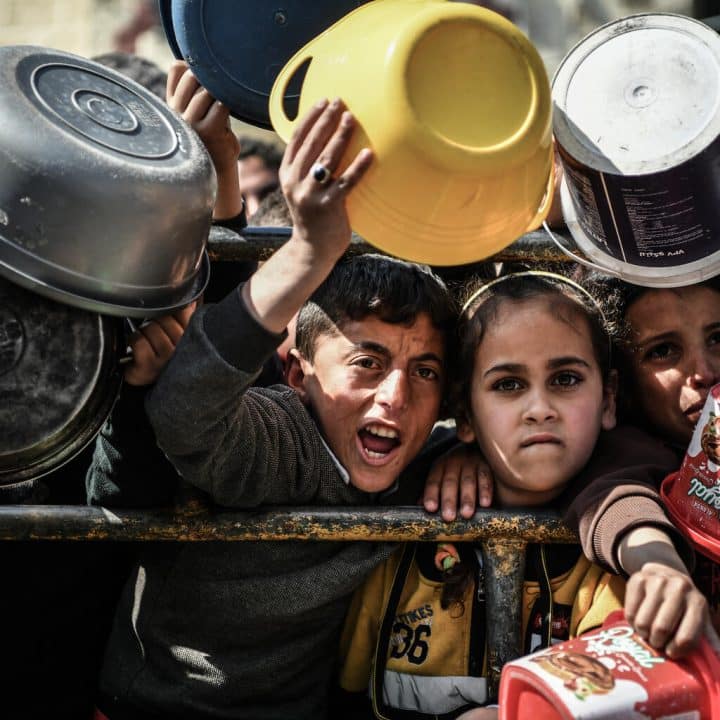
(211, 121)
(316, 198)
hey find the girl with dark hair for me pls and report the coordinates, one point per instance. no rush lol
(537, 394)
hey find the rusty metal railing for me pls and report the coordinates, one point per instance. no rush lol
(502, 535)
(258, 243)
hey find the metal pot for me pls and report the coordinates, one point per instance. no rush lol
(106, 194)
(59, 377)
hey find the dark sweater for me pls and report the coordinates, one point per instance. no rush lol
(233, 630)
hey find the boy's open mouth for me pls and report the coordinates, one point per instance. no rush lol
(378, 440)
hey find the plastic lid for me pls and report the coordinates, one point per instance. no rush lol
(237, 49)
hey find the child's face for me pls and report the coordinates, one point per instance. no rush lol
(375, 390)
(676, 356)
(538, 401)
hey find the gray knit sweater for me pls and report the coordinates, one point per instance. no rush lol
(238, 629)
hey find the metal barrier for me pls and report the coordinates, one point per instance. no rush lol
(258, 243)
(503, 536)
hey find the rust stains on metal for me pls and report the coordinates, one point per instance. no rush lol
(196, 523)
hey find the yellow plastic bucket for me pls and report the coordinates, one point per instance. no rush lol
(455, 102)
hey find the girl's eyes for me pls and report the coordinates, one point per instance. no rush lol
(566, 379)
(507, 385)
(563, 379)
(714, 338)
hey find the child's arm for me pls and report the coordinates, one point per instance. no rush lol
(617, 492)
(661, 601)
(321, 230)
(251, 448)
(211, 121)
(622, 526)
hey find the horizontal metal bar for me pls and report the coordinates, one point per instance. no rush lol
(258, 243)
(76, 522)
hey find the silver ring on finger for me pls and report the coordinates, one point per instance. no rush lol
(320, 173)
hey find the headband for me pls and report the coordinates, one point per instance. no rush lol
(541, 274)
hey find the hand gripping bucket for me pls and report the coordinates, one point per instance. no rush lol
(636, 121)
(455, 103)
(692, 495)
(608, 674)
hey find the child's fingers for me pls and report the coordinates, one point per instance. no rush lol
(301, 131)
(184, 315)
(317, 138)
(160, 342)
(690, 627)
(171, 327)
(484, 485)
(177, 70)
(666, 619)
(198, 107)
(185, 90)
(145, 365)
(647, 609)
(431, 494)
(143, 357)
(358, 167)
(217, 115)
(449, 491)
(331, 155)
(634, 596)
(468, 489)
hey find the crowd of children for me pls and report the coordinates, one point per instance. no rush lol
(579, 393)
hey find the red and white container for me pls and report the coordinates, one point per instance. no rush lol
(692, 495)
(611, 673)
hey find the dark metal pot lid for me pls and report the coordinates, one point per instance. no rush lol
(236, 49)
(59, 377)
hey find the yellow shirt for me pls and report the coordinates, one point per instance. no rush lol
(435, 659)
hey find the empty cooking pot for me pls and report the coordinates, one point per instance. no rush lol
(106, 194)
(59, 377)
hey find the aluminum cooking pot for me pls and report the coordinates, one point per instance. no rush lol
(59, 377)
(106, 194)
(237, 48)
